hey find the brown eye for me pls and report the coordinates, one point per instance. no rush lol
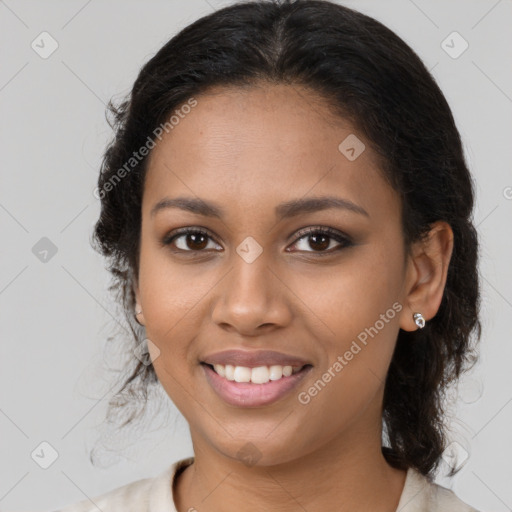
(196, 241)
(320, 239)
(319, 242)
(190, 240)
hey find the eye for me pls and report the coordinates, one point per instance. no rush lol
(321, 238)
(197, 239)
(193, 239)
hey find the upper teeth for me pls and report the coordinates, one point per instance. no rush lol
(258, 375)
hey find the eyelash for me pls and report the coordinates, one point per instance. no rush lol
(329, 232)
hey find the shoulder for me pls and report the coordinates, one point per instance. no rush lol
(422, 495)
(135, 494)
(145, 495)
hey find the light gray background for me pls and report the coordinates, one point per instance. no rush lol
(56, 316)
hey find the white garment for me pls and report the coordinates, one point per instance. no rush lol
(155, 495)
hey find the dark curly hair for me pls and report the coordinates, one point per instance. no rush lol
(368, 75)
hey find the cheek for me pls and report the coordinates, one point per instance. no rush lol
(169, 292)
(354, 371)
(351, 296)
(174, 298)
(359, 303)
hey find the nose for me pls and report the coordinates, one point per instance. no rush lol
(252, 299)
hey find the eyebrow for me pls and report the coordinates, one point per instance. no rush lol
(283, 211)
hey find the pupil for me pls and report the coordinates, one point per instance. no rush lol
(194, 237)
(322, 245)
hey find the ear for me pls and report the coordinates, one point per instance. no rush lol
(139, 317)
(427, 269)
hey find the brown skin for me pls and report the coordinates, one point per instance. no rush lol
(230, 149)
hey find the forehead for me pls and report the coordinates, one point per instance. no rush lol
(266, 144)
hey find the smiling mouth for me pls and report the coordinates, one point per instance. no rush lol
(255, 375)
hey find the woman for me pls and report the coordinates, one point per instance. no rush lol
(287, 213)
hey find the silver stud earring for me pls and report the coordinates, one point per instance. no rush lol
(419, 320)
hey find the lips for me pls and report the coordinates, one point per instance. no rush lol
(247, 394)
(253, 359)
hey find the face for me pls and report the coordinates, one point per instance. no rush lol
(265, 277)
